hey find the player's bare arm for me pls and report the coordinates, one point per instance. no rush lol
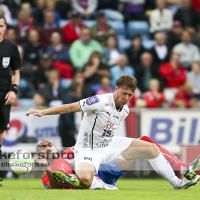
(12, 95)
(66, 108)
(43, 162)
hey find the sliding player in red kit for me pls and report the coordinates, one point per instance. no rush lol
(60, 174)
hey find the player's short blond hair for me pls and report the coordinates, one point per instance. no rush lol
(127, 81)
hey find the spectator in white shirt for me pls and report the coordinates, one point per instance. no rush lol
(85, 7)
(189, 52)
(7, 13)
(193, 77)
(111, 50)
(161, 18)
(160, 51)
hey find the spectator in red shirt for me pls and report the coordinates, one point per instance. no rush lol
(173, 74)
(153, 97)
(72, 30)
(185, 95)
(196, 5)
(25, 22)
(132, 103)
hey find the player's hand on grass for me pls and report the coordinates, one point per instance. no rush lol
(34, 112)
(10, 98)
(41, 161)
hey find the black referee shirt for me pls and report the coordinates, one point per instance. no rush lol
(9, 61)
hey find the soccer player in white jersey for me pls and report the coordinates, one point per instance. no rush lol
(97, 143)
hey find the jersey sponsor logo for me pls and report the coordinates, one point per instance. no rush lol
(87, 140)
(105, 143)
(108, 125)
(92, 100)
(87, 158)
(108, 129)
(108, 113)
(6, 61)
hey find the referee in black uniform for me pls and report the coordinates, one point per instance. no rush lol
(10, 64)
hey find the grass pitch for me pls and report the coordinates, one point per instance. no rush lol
(32, 189)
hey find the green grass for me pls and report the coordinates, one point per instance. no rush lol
(32, 189)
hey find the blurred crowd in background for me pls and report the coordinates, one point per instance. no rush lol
(73, 49)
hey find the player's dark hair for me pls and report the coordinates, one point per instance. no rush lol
(127, 81)
(2, 17)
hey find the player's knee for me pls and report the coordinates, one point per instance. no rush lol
(153, 150)
(85, 179)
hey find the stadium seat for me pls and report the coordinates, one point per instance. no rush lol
(89, 23)
(148, 44)
(124, 44)
(95, 87)
(23, 83)
(64, 82)
(14, 22)
(137, 27)
(121, 37)
(118, 26)
(145, 37)
(63, 22)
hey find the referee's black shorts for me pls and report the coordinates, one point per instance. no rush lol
(4, 111)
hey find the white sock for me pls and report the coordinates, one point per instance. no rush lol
(163, 168)
(97, 184)
(183, 170)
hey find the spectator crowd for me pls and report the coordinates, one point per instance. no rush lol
(73, 49)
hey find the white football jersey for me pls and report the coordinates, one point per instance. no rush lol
(100, 121)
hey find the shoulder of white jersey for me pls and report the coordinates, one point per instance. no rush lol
(95, 99)
(89, 104)
(107, 99)
(126, 109)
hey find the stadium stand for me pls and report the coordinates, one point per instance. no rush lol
(137, 27)
(63, 22)
(125, 28)
(118, 26)
(148, 44)
(124, 43)
(89, 23)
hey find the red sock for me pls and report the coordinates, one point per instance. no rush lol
(171, 158)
